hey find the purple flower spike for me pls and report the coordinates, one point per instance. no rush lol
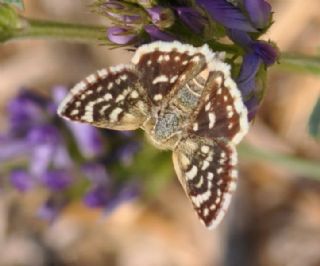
(191, 18)
(97, 196)
(119, 35)
(57, 180)
(157, 34)
(259, 12)
(21, 180)
(226, 14)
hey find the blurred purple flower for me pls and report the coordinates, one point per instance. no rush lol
(96, 173)
(97, 196)
(44, 140)
(120, 35)
(24, 111)
(88, 139)
(21, 180)
(48, 159)
(57, 179)
(12, 148)
(226, 14)
(127, 192)
(259, 12)
(127, 151)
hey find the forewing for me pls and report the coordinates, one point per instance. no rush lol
(164, 66)
(221, 113)
(111, 98)
(207, 173)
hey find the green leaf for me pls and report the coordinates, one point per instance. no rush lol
(314, 121)
(18, 3)
(301, 63)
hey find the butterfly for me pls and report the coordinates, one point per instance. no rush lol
(185, 100)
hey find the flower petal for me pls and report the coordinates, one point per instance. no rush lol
(248, 71)
(119, 35)
(259, 12)
(97, 196)
(88, 139)
(21, 180)
(57, 180)
(157, 34)
(226, 14)
(267, 52)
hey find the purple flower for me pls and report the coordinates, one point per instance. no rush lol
(88, 139)
(44, 140)
(96, 173)
(57, 179)
(249, 68)
(24, 111)
(226, 14)
(156, 34)
(127, 151)
(97, 196)
(127, 192)
(191, 18)
(120, 35)
(259, 12)
(266, 51)
(21, 180)
(12, 148)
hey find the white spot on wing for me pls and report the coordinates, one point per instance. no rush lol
(160, 79)
(212, 119)
(192, 173)
(115, 114)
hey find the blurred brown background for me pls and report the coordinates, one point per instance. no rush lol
(274, 217)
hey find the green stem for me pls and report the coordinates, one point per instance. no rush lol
(32, 28)
(298, 165)
(300, 63)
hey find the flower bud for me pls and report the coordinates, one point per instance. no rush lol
(123, 13)
(259, 12)
(161, 17)
(9, 22)
(120, 35)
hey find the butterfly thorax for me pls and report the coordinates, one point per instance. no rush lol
(164, 129)
(169, 122)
